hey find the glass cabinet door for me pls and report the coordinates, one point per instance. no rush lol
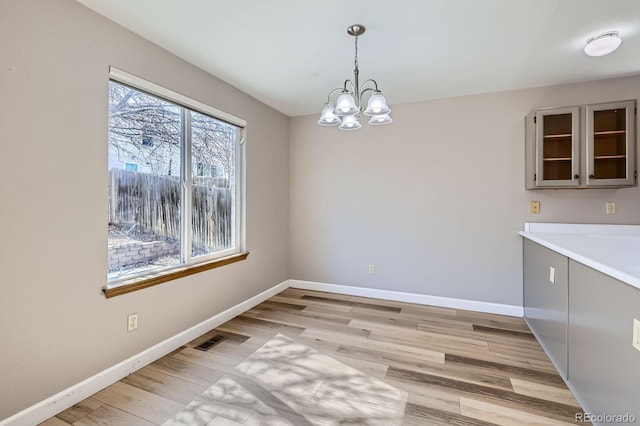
(610, 144)
(557, 147)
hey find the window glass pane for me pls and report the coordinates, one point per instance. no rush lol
(144, 182)
(610, 144)
(213, 159)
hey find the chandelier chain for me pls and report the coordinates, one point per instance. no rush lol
(355, 61)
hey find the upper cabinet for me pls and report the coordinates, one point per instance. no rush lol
(581, 146)
(611, 144)
(557, 147)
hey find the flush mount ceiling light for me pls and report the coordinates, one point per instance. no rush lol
(602, 44)
(349, 104)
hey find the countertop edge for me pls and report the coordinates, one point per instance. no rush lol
(587, 261)
(581, 228)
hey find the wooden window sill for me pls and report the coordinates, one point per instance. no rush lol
(161, 277)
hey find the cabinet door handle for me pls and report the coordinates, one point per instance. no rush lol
(591, 176)
(576, 176)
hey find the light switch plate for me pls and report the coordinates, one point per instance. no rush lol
(636, 334)
(552, 274)
(534, 207)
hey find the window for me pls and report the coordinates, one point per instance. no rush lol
(132, 167)
(175, 183)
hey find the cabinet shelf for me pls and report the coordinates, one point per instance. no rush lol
(609, 157)
(610, 132)
(557, 159)
(564, 135)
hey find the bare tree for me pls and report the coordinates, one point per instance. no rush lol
(213, 145)
(144, 129)
(147, 129)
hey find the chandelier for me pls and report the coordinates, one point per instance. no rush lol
(349, 104)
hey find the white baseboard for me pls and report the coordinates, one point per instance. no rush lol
(422, 299)
(61, 401)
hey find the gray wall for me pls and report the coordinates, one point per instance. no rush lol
(56, 327)
(436, 198)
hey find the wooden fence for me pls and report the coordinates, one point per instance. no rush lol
(152, 202)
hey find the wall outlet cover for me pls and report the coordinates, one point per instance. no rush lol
(610, 207)
(636, 334)
(552, 274)
(132, 322)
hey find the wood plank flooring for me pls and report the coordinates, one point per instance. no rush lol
(458, 367)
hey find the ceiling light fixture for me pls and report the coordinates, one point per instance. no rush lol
(603, 44)
(349, 104)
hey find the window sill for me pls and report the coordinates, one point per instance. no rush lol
(162, 277)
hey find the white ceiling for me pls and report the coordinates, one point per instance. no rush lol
(290, 53)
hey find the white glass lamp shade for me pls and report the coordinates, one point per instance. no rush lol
(380, 119)
(350, 122)
(602, 44)
(377, 105)
(346, 105)
(328, 117)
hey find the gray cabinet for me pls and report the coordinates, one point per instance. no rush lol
(604, 367)
(557, 146)
(546, 299)
(610, 142)
(584, 321)
(581, 146)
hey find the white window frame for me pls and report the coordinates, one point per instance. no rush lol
(138, 83)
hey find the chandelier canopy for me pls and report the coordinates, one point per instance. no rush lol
(349, 104)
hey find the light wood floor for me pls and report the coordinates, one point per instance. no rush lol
(458, 367)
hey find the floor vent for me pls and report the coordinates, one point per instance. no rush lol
(205, 346)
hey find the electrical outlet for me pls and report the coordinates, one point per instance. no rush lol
(132, 322)
(372, 269)
(534, 207)
(636, 334)
(552, 274)
(610, 207)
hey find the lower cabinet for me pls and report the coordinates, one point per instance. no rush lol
(584, 321)
(545, 300)
(604, 367)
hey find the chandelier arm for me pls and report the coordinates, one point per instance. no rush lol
(348, 83)
(339, 89)
(362, 97)
(375, 83)
(367, 90)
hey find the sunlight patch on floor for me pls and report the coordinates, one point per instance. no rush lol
(314, 387)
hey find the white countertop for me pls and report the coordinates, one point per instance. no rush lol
(611, 249)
